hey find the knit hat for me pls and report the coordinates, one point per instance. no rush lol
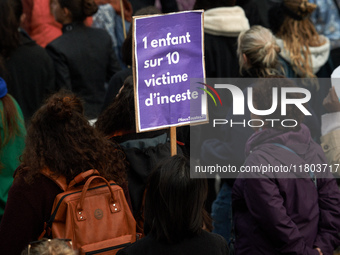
(3, 88)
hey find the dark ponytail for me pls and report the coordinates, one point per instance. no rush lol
(89, 7)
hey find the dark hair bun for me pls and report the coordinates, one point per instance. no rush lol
(63, 107)
(89, 7)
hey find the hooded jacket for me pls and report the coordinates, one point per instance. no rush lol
(285, 213)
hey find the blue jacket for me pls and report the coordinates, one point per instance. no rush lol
(326, 19)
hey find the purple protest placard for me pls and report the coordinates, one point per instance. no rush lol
(168, 51)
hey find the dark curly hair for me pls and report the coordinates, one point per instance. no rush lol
(60, 138)
(120, 115)
(263, 100)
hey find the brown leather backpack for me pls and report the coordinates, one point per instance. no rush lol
(95, 216)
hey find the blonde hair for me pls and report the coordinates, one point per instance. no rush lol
(298, 34)
(52, 247)
(259, 46)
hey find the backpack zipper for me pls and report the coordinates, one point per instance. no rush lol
(107, 249)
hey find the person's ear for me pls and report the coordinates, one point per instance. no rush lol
(245, 60)
(22, 18)
(66, 12)
(67, 15)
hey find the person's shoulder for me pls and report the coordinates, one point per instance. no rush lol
(35, 51)
(203, 243)
(258, 153)
(21, 186)
(213, 237)
(28, 49)
(38, 183)
(19, 176)
(98, 32)
(56, 44)
(98, 38)
(209, 243)
(138, 247)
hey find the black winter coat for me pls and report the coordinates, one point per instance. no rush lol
(84, 60)
(30, 75)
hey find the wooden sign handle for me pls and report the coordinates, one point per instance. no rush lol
(173, 141)
(123, 18)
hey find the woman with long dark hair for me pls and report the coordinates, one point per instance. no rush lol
(60, 139)
(175, 214)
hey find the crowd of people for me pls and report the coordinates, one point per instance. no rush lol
(67, 105)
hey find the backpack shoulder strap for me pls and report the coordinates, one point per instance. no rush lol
(311, 173)
(82, 176)
(60, 180)
(286, 148)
